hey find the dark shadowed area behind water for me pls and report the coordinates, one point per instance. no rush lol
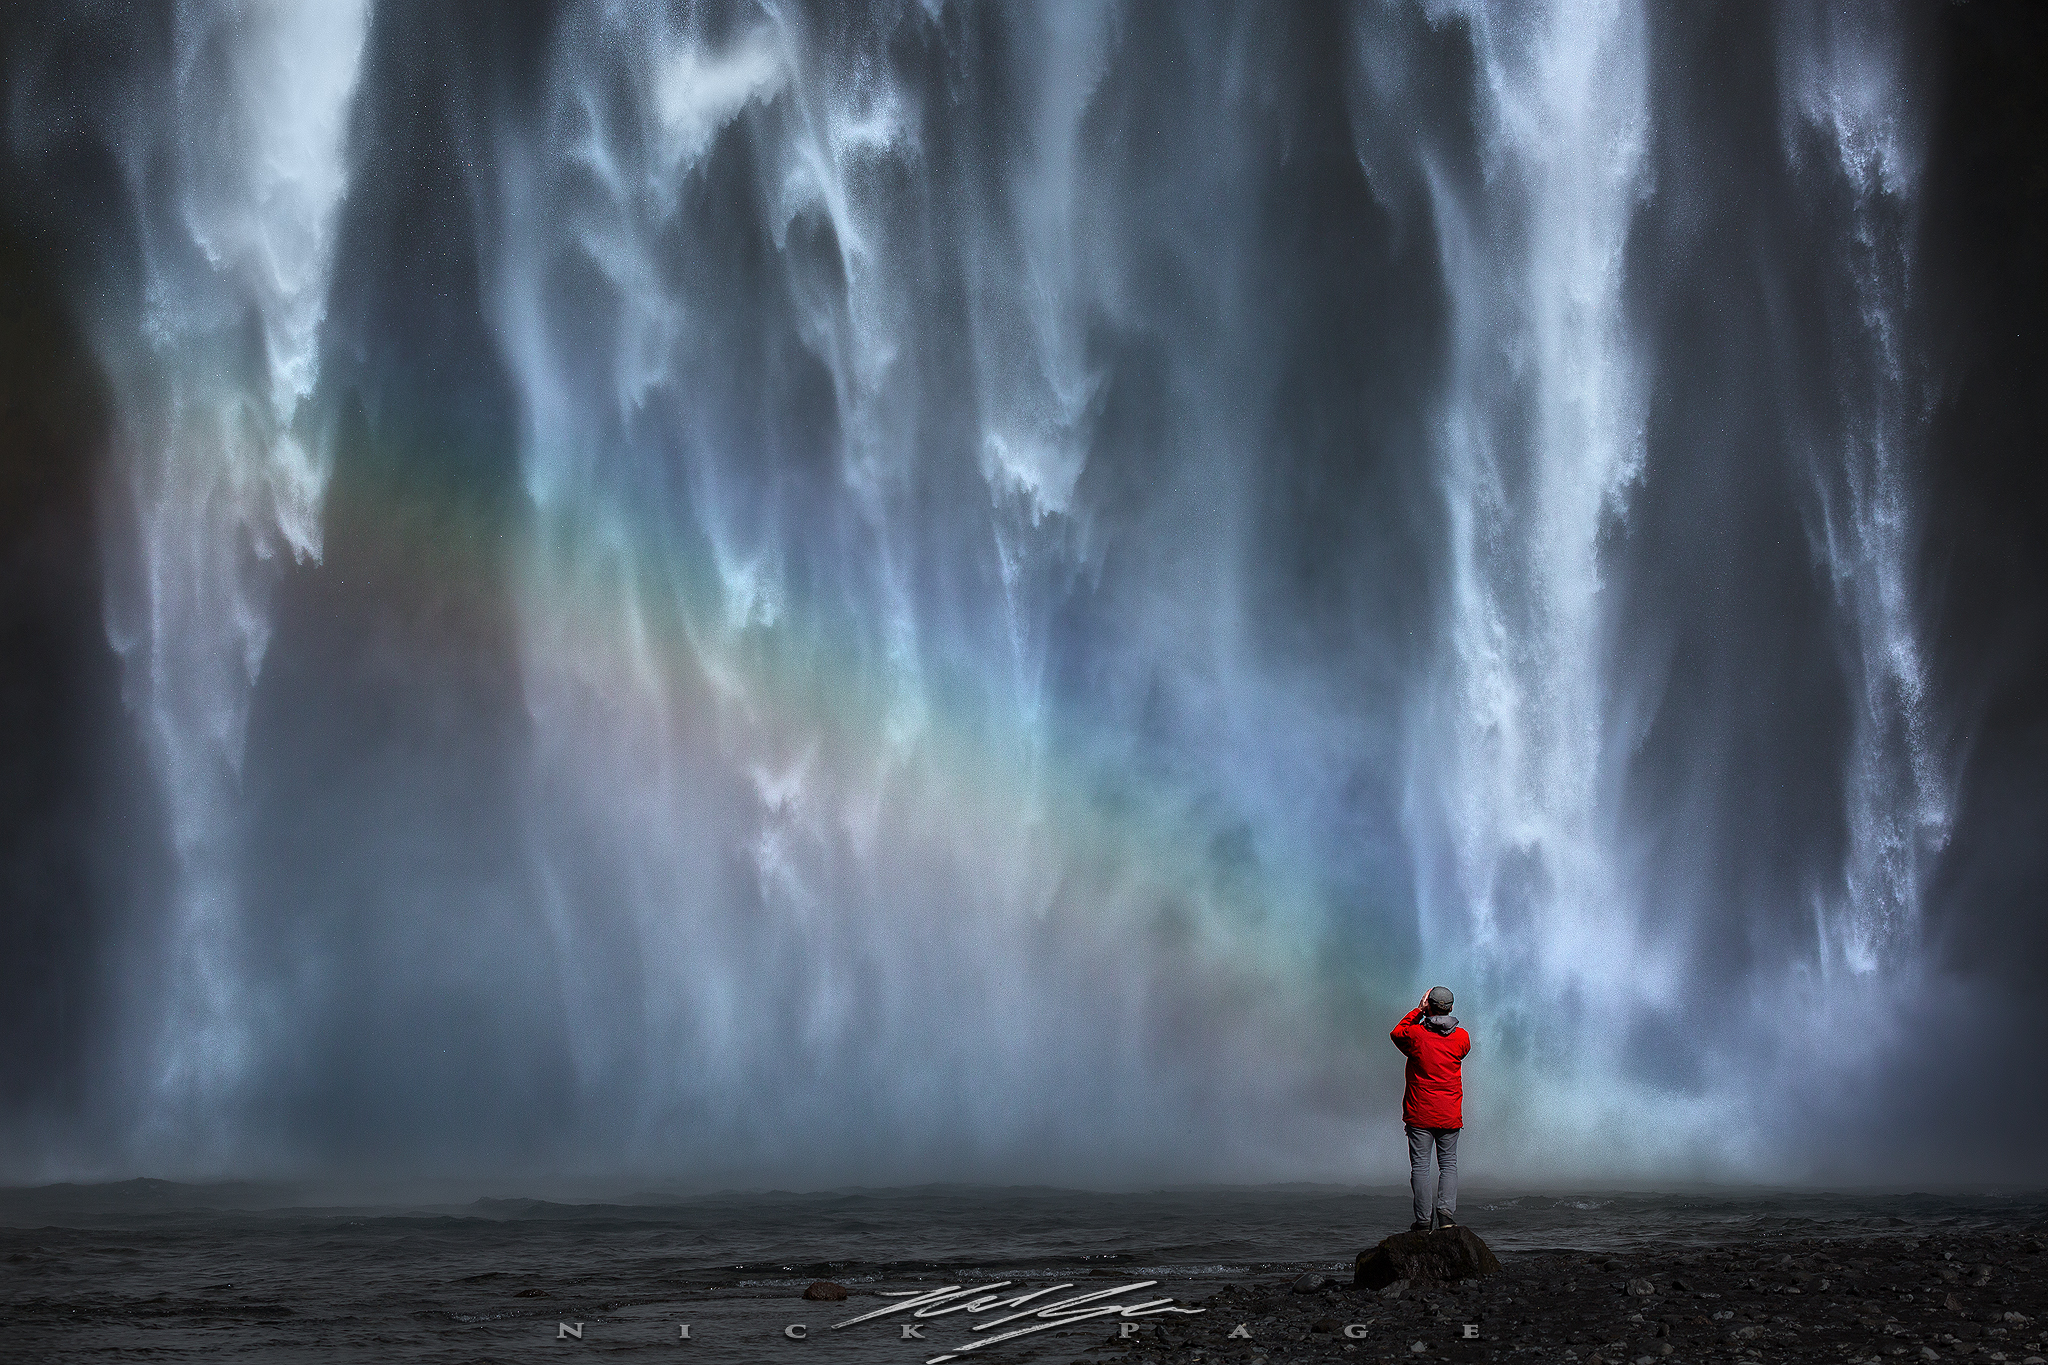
(264, 1272)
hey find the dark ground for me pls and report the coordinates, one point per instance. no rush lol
(1909, 1298)
(142, 1271)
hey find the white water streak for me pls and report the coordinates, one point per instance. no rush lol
(1516, 749)
(1522, 842)
(1843, 71)
(236, 168)
(1540, 437)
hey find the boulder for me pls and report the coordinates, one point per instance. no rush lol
(825, 1290)
(1309, 1283)
(1446, 1254)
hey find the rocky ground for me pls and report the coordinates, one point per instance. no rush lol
(1924, 1297)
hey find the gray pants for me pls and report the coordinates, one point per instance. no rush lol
(1445, 1186)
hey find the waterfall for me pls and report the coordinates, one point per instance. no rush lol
(1847, 105)
(790, 654)
(1516, 739)
(1526, 732)
(235, 164)
(917, 591)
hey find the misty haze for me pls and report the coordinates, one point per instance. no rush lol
(628, 596)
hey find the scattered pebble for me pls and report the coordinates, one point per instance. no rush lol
(1878, 1300)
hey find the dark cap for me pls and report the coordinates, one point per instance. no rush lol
(1440, 997)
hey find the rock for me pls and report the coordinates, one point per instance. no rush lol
(1641, 1288)
(533, 1294)
(1446, 1254)
(1953, 1303)
(1325, 1325)
(1309, 1283)
(1395, 1290)
(825, 1291)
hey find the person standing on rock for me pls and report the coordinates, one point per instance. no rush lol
(1434, 1107)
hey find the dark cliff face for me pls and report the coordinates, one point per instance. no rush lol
(81, 836)
(76, 826)
(1986, 294)
(57, 676)
(1985, 559)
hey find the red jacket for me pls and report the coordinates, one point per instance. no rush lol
(1436, 1089)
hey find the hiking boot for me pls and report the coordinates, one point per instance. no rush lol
(1444, 1220)
(1418, 1227)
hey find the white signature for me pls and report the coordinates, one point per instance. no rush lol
(1063, 1313)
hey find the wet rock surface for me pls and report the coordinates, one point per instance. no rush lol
(1879, 1300)
(1424, 1257)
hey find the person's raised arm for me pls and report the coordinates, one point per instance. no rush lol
(1404, 1032)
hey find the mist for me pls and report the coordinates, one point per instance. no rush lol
(772, 595)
